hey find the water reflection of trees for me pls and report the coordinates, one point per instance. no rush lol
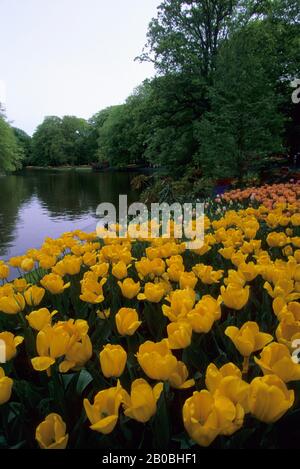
(14, 192)
(64, 194)
(77, 193)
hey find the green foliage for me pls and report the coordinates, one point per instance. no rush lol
(91, 143)
(47, 143)
(186, 34)
(161, 187)
(24, 141)
(219, 104)
(116, 136)
(60, 141)
(11, 153)
(244, 125)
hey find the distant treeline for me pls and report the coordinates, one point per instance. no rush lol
(220, 103)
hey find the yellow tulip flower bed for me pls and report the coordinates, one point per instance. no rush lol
(145, 344)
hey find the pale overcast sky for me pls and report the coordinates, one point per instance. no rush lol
(74, 57)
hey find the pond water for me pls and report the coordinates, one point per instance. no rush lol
(35, 204)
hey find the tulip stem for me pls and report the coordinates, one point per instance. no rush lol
(58, 389)
(245, 365)
(28, 335)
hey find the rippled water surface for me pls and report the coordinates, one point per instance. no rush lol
(35, 204)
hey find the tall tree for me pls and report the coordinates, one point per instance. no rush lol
(24, 141)
(11, 154)
(244, 125)
(75, 132)
(95, 124)
(48, 143)
(58, 141)
(186, 34)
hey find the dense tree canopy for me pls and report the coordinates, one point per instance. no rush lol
(244, 125)
(59, 141)
(11, 153)
(24, 141)
(220, 103)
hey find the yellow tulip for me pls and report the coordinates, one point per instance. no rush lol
(227, 382)
(78, 328)
(175, 271)
(51, 343)
(54, 284)
(51, 433)
(100, 270)
(206, 417)
(70, 265)
(77, 353)
(4, 270)
(34, 295)
(46, 262)
(129, 288)
(287, 251)
(182, 302)
(13, 304)
(235, 277)
(248, 338)
(89, 258)
(146, 267)
(119, 270)
(250, 228)
(20, 285)
(6, 385)
(140, 405)
(112, 360)
(204, 314)
(238, 258)
(269, 398)
(27, 264)
(157, 360)
(206, 274)
(288, 330)
(200, 418)
(115, 252)
(277, 239)
(153, 292)
(234, 296)
(143, 267)
(231, 415)
(11, 343)
(7, 290)
(214, 376)
(105, 314)
(127, 321)
(179, 377)
(16, 261)
(203, 250)
(248, 270)
(104, 413)
(295, 219)
(92, 289)
(276, 359)
(291, 308)
(227, 253)
(297, 255)
(187, 280)
(157, 267)
(66, 339)
(284, 288)
(250, 247)
(42, 363)
(40, 318)
(179, 335)
(296, 241)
